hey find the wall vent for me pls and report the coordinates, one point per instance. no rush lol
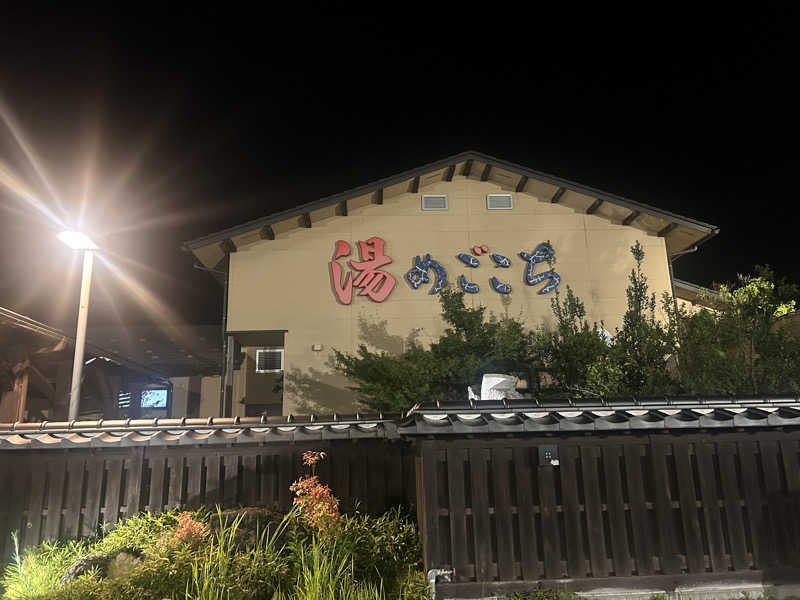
(434, 202)
(269, 360)
(499, 202)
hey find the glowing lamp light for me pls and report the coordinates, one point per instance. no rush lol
(77, 240)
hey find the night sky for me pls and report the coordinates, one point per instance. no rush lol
(173, 126)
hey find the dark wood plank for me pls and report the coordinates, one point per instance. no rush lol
(55, 496)
(229, 487)
(620, 549)
(642, 539)
(791, 466)
(668, 555)
(250, 487)
(157, 466)
(791, 472)
(394, 475)
(72, 502)
(94, 486)
(594, 511)
(134, 467)
(430, 490)
(194, 478)
(733, 509)
(20, 485)
(768, 449)
(753, 501)
(523, 181)
(481, 527)
(711, 515)
(266, 468)
(458, 520)
(113, 489)
(213, 492)
(501, 469)
(35, 506)
(285, 479)
(376, 475)
(358, 479)
(341, 476)
(695, 558)
(174, 492)
(573, 518)
(529, 559)
(551, 542)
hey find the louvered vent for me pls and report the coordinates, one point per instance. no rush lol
(269, 360)
(434, 202)
(499, 202)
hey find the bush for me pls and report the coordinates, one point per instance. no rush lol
(39, 569)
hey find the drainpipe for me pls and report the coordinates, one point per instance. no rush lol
(447, 576)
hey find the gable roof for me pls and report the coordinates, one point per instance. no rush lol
(680, 232)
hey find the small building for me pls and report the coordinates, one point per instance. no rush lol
(364, 266)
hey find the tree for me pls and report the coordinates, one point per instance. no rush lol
(471, 345)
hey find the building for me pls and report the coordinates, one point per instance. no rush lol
(363, 267)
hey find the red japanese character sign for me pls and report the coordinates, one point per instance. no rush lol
(374, 282)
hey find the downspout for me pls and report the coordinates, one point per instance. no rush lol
(224, 357)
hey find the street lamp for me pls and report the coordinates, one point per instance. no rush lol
(80, 241)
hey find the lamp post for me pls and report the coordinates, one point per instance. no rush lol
(80, 241)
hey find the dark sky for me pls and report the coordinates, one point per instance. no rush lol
(176, 125)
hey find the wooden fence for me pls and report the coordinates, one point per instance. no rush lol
(49, 494)
(615, 506)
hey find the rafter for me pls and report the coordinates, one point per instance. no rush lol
(306, 219)
(448, 174)
(266, 233)
(414, 187)
(635, 214)
(595, 205)
(227, 246)
(557, 196)
(487, 170)
(523, 181)
(666, 230)
(467, 168)
(341, 208)
(377, 198)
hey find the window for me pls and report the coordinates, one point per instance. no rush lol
(434, 202)
(269, 360)
(499, 202)
(154, 398)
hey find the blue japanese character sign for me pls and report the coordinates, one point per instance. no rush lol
(544, 252)
(418, 274)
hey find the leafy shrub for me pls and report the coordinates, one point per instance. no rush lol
(38, 570)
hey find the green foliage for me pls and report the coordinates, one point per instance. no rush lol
(184, 557)
(383, 548)
(38, 570)
(546, 594)
(748, 343)
(472, 344)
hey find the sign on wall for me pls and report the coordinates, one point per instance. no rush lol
(377, 284)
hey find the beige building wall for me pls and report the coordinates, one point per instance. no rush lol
(284, 284)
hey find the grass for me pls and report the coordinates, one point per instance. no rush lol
(37, 572)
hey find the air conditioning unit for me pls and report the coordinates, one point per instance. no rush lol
(269, 360)
(499, 202)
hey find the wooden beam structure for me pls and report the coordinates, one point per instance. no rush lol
(227, 246)
(487, 170)
(414, 187)
(267, 233)
(595, 205)
(377, 198)
(631, 217)
(523, 181)
(666, 230)
(341, 208)
(467, 168)
(557, 196)
(448, 174)
(306, 220)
